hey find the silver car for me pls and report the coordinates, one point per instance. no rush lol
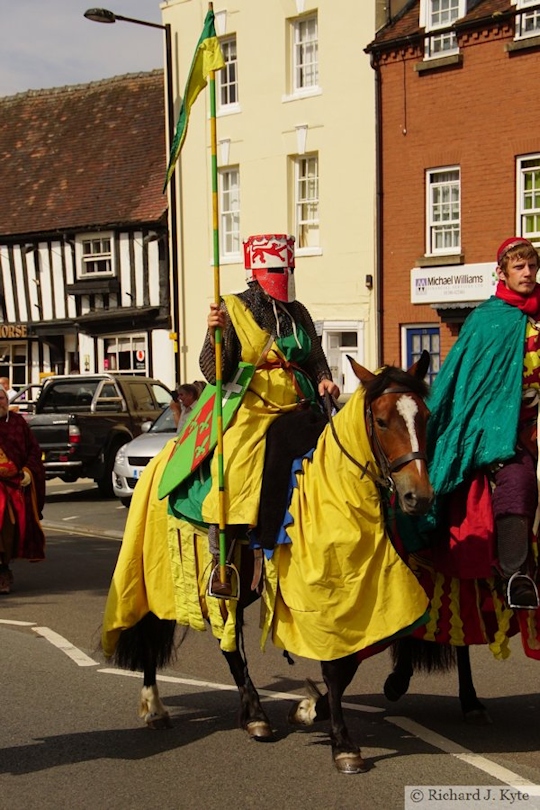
(133, 457)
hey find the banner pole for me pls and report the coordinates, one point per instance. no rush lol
(218, 332)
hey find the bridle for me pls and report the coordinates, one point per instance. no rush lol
(387, 467)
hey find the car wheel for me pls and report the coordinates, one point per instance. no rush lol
(125, 502)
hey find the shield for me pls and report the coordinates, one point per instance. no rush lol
(198, 437)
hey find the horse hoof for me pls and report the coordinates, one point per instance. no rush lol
(259, 730)
(478, 717)
(392, 691)
(302, 713)
(350, 763)
(158, 721)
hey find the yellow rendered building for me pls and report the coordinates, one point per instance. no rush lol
(296, 154)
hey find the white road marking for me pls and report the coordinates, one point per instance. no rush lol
(231, 688)
(71, 517)
(408, 409)
(80, 658)
(451, 747)
(458, 751)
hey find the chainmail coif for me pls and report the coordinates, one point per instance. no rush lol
(260, 306)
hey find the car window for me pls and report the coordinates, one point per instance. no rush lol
(109, 391)
(164, 423)
(62, 396)
(142, 397)
(162, 395)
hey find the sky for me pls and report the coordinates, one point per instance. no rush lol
(49, 43)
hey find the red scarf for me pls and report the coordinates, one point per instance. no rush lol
(529, 304)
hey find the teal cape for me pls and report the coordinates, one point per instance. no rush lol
(474, 405)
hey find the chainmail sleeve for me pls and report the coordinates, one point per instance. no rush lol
(230, 354)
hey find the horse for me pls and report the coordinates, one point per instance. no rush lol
(372, 451)
(463, 611)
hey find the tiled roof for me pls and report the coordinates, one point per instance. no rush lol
(83, 156)
(405, 24)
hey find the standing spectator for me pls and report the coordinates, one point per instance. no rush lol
(4, 382)
(22, 493)
(188, 394)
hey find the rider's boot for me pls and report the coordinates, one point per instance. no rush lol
(513, 551)
(227, 586)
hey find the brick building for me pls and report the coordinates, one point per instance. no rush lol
(458, 157)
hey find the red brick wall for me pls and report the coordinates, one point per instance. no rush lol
(480, 116)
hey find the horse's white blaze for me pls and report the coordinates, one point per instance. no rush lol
(408, 409)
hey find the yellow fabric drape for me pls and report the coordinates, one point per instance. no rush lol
(163, 566)
(340, 586)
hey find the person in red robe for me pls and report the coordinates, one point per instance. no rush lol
(22, 493)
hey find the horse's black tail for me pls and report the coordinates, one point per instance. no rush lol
(151, 640)
(423, 656)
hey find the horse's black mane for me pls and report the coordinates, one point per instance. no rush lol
(392, 375)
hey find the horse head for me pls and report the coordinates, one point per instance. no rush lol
(396, 416)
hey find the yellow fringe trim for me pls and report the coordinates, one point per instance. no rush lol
(457, 637)
(500, 644)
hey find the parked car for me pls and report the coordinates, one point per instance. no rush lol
(81, 420)
(132, 458)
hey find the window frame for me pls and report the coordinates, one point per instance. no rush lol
(228, 107)
(137, 342)
(82, 259)
(440, 32)
(431, 222)
(522, 212)
(15, 362)
(229, 215)
(523, 14)
(299, 201)
(301, 87)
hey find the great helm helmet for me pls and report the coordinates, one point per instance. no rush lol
(269, 259)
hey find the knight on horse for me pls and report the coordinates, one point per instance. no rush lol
(334, 584)
(482, 432)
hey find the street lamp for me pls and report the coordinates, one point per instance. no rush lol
(103, 15)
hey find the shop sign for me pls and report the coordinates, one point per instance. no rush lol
(13, 330)
(453, 283)
(140, 357)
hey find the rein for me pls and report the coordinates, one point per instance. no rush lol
(387, 467)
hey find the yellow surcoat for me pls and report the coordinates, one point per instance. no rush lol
(271, 392)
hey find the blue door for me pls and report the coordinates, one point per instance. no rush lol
(420, 338)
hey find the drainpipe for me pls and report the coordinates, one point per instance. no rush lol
(378, 211)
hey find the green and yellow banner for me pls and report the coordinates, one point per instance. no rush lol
(208, 57)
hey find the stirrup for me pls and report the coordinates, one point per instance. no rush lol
(230, 589)
(522, 579)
